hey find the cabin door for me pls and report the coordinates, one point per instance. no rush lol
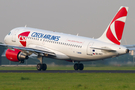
(89, 50)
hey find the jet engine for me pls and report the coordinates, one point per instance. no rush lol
(16, 55)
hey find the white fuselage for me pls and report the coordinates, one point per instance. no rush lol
(65, 46)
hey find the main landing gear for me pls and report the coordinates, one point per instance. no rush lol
(78, 66)
(41, 65)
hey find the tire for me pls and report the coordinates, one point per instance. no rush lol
(39, 67)
(44, 67)
(76, 66)
(81, 66)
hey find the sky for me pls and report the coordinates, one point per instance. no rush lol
(88, 18)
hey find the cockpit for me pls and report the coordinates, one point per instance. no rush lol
(9, 33)
(10, 37)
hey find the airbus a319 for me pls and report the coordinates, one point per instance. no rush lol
(22, 42)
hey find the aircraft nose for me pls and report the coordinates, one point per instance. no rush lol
(5, 39)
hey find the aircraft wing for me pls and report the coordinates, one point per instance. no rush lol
(31, 50)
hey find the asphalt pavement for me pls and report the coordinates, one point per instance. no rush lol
(67, 71)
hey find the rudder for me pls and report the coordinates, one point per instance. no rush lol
(113, 33)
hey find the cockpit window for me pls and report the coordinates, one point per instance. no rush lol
(9, 33)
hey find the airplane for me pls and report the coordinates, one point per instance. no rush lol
(22, 42)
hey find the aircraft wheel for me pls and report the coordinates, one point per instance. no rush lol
(39, 67)
(81, 66)
(22, 61)
(44, 67)
(76, 66)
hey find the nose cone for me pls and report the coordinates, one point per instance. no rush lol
(5, 39)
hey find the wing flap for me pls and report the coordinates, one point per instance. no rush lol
(32, 50)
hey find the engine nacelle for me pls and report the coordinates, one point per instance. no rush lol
(15, 55)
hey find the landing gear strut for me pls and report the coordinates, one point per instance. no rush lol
(41, 65)
(78, 66)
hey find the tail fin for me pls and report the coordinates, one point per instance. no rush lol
(113, 33)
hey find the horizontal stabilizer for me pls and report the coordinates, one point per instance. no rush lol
(130, 47)
(105, 49)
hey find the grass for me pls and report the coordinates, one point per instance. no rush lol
(67, 81)
(68, 68)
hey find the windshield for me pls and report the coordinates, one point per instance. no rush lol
(9, 33)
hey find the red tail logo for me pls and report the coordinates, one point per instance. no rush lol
(22, 37)
(115, 29)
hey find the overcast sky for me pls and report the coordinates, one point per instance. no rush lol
(89, 18)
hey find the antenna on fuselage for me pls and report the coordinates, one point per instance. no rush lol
(25, 26)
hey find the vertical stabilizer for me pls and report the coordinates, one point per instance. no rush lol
(113, 33)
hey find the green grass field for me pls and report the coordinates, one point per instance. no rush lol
(68, 68)
(67, 81)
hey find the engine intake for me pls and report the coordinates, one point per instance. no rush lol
(15, 55)
(22, 56)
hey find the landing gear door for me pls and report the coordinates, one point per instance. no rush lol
(89, 50)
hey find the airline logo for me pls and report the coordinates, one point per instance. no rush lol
(46, 36)
(22, 38)
(115, 29)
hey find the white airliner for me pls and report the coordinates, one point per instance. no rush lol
(24, 41)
